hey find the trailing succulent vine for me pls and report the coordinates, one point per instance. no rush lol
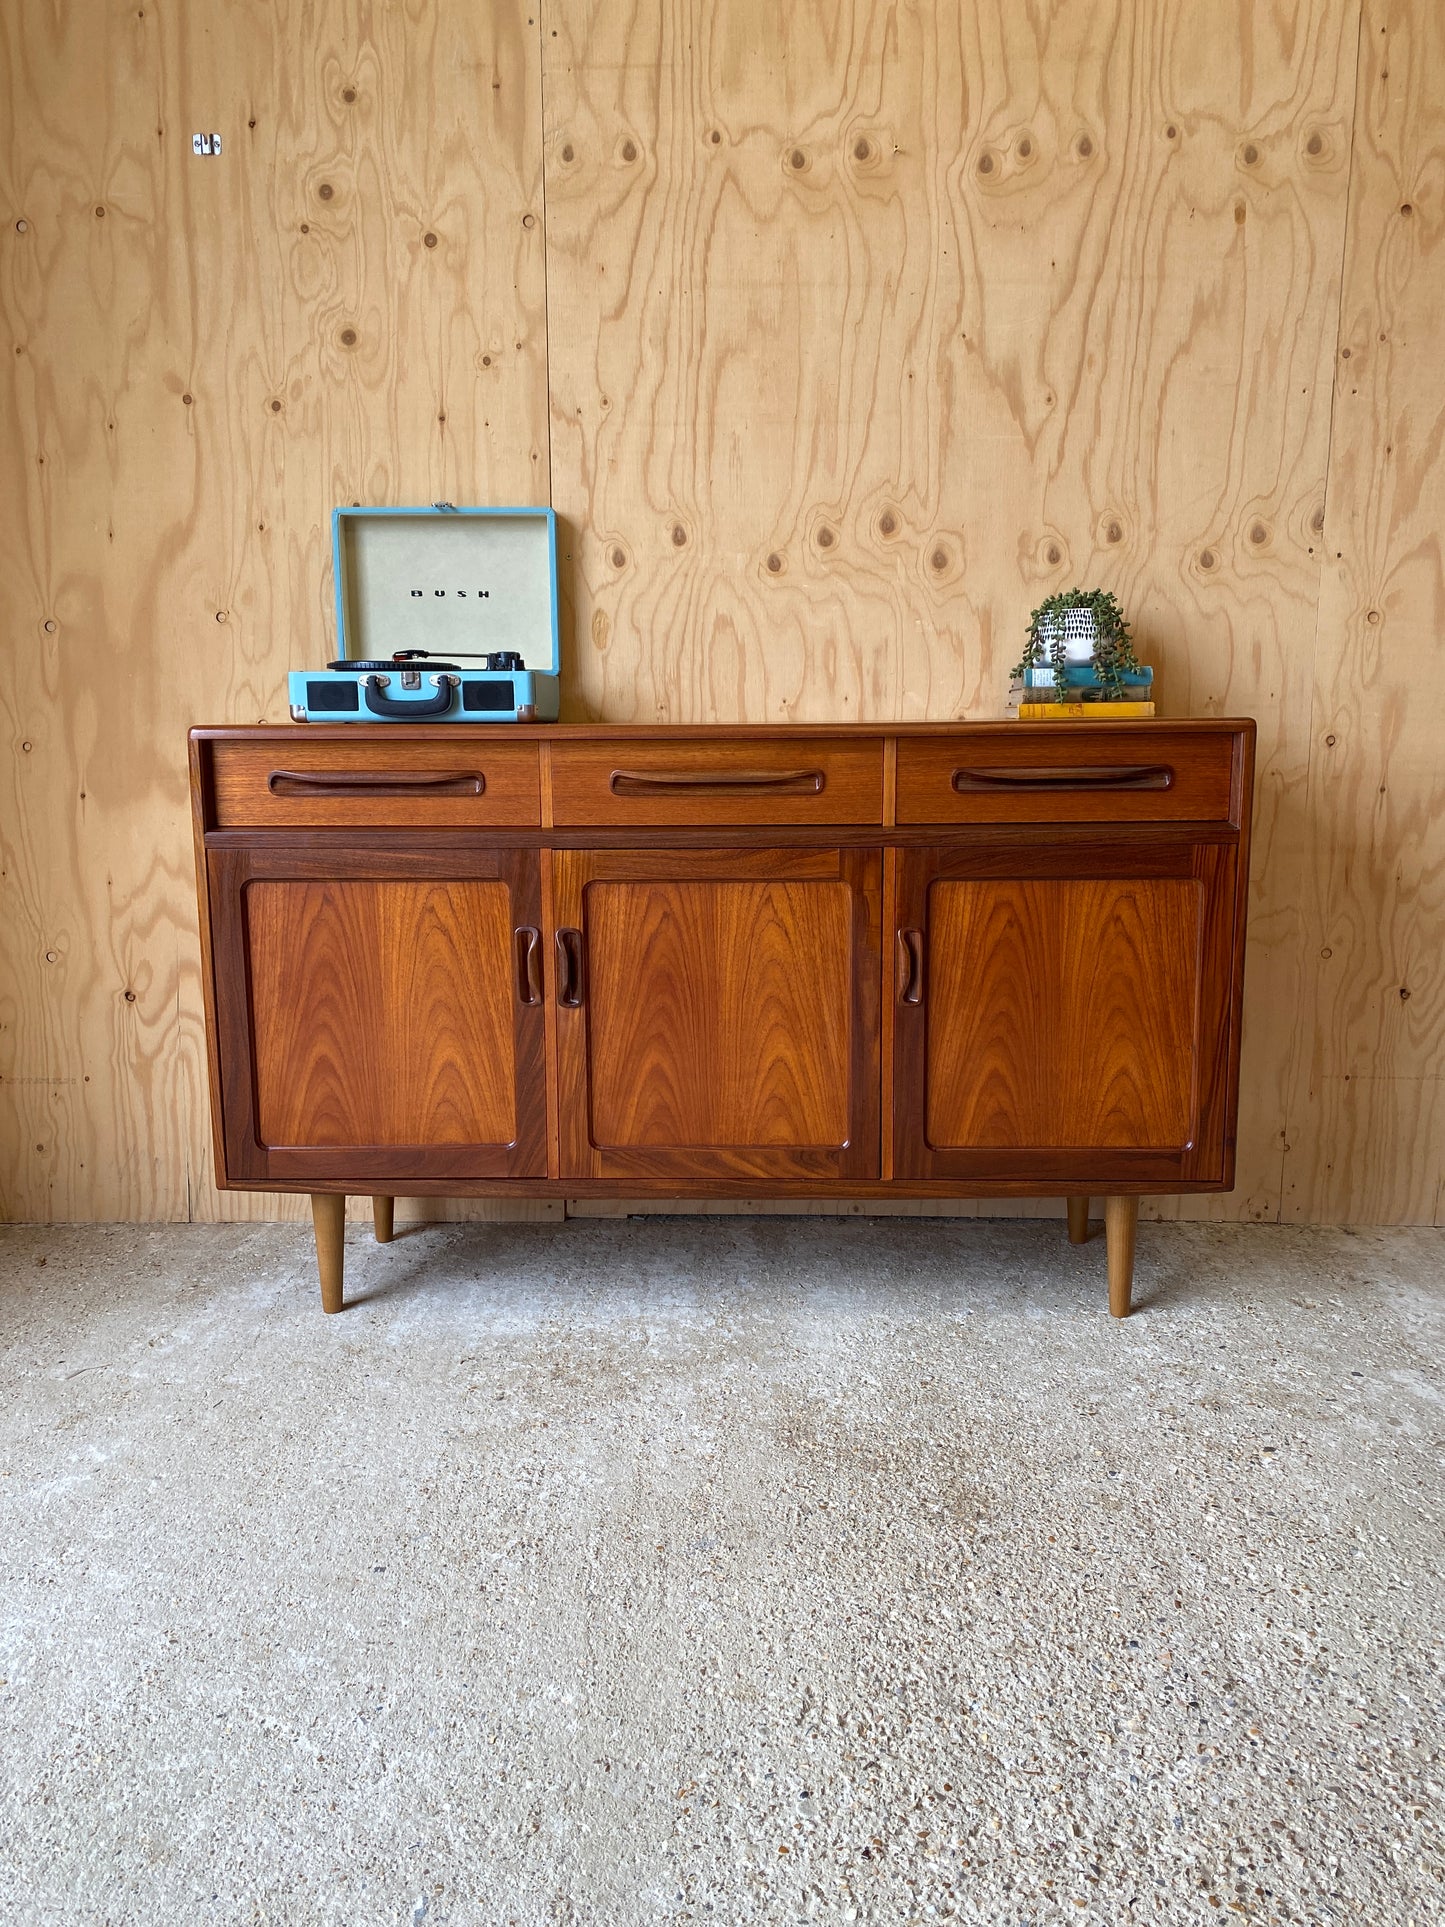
(1113, 651)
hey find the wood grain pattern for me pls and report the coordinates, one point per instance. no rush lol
(1084, 988)
(199, 359)
(1086, 774)
(437, 785)
(727, 1023)
(719, 1014)
(824, 780)
(1366, 1125)
(382, 1012)
(375, 1025)
(1062, 1013)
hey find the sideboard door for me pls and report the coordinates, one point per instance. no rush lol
(1063, 1009)
(717, 1014)
(379, 1011)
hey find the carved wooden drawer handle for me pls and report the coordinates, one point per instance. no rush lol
(376, 782)
(804, 782)
(1074, 776)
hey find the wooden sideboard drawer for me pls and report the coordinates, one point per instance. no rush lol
(1069, 773)
(707, 779)
(374, 785)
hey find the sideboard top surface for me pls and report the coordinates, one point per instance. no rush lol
(1053, 733)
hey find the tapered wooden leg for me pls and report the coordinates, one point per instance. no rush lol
(328, 1212)
(383, 1216)
(1078, 1220)
(1121, 1219)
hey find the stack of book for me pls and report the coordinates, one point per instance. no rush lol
(1038, 700)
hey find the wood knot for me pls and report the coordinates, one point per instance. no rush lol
(1258, 533)
(1207, 559)
(939, 559)
(275, 407)
(797, 158)
(348, 337)
(1114, 532)
(348, 94)
(326, 191)
(629, 150)
(619, 558)
(985, 163)
(1053, 553)
(1025, 147)
(1084, 147)
(826, 537)
(428, 240)
(568, 152)
(887, 522)
(775, 563)
(1315, 144)
(679, 536)
(1250, 154)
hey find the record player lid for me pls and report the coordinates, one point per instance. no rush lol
(441, 578)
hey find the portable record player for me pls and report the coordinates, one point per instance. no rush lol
(442, 614)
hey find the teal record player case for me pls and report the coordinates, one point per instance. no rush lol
(442, 614)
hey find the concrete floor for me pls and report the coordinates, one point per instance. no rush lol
(732, 1571)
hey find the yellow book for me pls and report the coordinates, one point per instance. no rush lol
(1083, 712)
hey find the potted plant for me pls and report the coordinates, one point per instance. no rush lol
(1082, 631)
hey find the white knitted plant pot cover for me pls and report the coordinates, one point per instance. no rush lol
(1081, 635)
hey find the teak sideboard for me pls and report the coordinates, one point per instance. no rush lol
(914, 961)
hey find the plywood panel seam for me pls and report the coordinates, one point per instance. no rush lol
(1304, 1010)
(541, 19)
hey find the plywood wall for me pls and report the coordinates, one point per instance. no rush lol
(841, 334)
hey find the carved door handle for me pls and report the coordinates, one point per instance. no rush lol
(529, 965)
(569, 969)
(910, 966)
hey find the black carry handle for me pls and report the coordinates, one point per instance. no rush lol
(380, 704)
